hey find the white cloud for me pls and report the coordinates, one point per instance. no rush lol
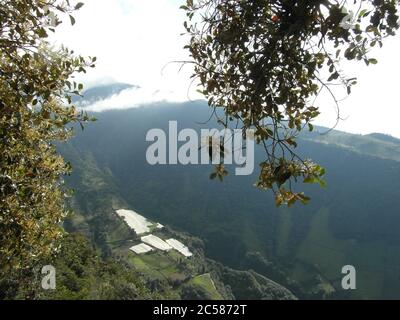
(135, 97)
(374, 105)
(134, 40)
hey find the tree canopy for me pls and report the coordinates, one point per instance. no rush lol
(36, 86)
(264, 62)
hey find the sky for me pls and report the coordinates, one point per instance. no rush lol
(136, 42)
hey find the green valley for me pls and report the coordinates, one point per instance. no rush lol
(302, 248)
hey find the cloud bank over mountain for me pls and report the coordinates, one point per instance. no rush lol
(132, 97)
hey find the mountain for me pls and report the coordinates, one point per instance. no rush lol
(375, 144)
(99, 93)
(166, 275)
(353, 221)
(384, 137)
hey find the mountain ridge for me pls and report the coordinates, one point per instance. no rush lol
(352, 216)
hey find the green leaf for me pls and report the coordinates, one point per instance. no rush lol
(334, 76)
(363, 13)
(310, 180)
(72, 20)
(304, 199)
(79, 5)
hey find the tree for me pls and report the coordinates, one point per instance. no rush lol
(36, 88)
(263, 62)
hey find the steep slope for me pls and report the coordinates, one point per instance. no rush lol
(81, 274)
(353, 221)
(165, 274)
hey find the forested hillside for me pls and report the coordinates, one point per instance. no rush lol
(165, 275)
(351, 221)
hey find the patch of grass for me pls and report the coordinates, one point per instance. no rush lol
(145, 268)
(153, 228)
(157, 260)
(205, 282)
(157, 264)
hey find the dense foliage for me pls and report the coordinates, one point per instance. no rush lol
(35, 108)
(81, 273)
(264, 62)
